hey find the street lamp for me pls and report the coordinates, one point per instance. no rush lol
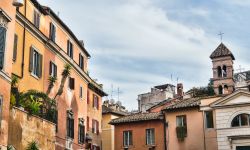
(18, 3)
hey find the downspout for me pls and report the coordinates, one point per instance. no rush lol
(204, 137)
(24, 36)
(165, 130)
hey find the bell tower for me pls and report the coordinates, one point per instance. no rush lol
(222, 60)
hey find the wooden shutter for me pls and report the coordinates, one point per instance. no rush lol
(87, 96)
(50, 30)
(50, 68)
(93, 99)
(15, 47)
(97, 99)
(87, 123)
(97, 122)
(2, 45)
(72, 128)
(55, 70)
(40, 65)
(31, 59)
(93, 126)
(68, 47)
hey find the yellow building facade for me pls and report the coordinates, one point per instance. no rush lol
(43, 45)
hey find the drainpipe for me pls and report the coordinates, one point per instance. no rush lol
(204, 137)
(24, 36)
(165, 130)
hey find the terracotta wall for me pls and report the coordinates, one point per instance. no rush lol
(5, 74)
(24, 128)
(197, 137)
(96, 114)
(139, 135)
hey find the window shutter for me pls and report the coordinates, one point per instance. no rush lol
(55, 71)
(72, 120)
(97, 99)
(31, 59)
(93, 100)
(50, 30)
(87, 123)
(15, 47)
(40, 65)
(2, 45)
(87, 96)
(93, 126)
(97, 122)
(68, 47)
(50, 68)
(71, 51)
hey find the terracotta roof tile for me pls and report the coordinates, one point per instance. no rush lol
(106, 110)
(138, 117)
(221, 51)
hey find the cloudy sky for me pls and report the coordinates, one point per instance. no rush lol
(136, 44)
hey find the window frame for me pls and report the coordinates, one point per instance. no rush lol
(240, 121)
(150, 136)
(81, 131)
(81, 61)
(71, 83)
(207, 124)
(15, 46)
(129, 138)
(70, 124)
(70, 49)
(53, 69)
(52, 32)
(36, 63)
(95, 101)
(183, 121)
(81, 92)
(36, 18)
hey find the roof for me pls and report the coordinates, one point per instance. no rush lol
(221, 51)
(189, 103)
(107, 110)
(164, 86)
(160, 103)
(137, 118)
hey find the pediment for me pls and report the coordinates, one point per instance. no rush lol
(238, 97)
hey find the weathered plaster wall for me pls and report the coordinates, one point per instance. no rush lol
(24, 128)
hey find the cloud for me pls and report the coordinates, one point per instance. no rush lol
(138, 44)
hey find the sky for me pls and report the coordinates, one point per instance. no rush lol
(137, 44)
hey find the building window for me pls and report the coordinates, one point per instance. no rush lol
(224, 71)
(81, 62)
(36, 18)
(150, 136)
(70, 49)
(70, 124)
(15, 47)
(87, 96)
(241, 120)
(2, 46)
(220, 89)
(52, 33)
(219, 72)
(81, 131)
(95, 126)
(181, 127)
(81, 92)
(35, 66)
(209, 119)
(127, 138)
(95, 101)
(52, 69)
(1, 109)
(71, 83)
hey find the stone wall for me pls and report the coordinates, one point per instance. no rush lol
(224, 129)
(24, 128)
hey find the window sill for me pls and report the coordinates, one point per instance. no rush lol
(35, 76)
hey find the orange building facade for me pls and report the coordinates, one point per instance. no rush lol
(144, 131)
(7, 25)
(41, 44)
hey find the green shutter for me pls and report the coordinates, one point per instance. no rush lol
(40, 65)
(2, 45)
(15, 47)
(31, 59)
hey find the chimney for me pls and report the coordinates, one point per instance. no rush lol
(180, 90)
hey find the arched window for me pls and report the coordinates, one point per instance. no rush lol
(220, 89)
(224, 71)
(241, 120)
(219, 71)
